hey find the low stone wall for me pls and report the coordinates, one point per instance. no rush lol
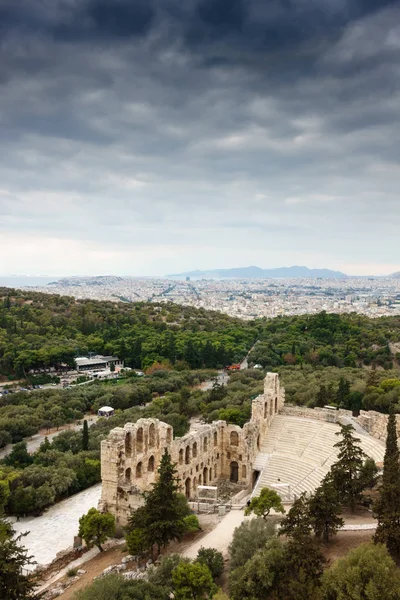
(319, 414)
(375, 423)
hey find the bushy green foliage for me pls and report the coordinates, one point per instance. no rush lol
(115, 587)
(162, 575)
(213, 559)
(191, 523)
(14, 584)
(95, 527)
(192, 581)
(366, 573)
(263, 504)
(249, 537)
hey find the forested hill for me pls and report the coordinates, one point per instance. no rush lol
(39, 330)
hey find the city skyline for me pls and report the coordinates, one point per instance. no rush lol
(146, 138)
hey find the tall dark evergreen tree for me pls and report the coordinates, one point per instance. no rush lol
(14, 584)
(387, 507)
(347, 472)
(164, 515)
(85, 435)
(325, 508)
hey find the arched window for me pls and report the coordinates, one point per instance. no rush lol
(234, 438)
(205, 476)
(128, 444)
(215, 439)
(194, 450)
(138, 470)
(152, 436)
(271, 407)
(181, 456)
(194, 484)
(187, 488)
(150, 466)
(234, 472)
(244, 472)
(139, 440)
(205, 444)
(200, 479)
(187, 455)
(128, 475)
(169, 435)
(265, 410)
(258, 443)
(276, 405)
(215, 471)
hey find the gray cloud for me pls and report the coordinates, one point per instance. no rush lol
(200, 133)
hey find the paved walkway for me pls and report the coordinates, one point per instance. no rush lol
(55, 529)
(221, 536)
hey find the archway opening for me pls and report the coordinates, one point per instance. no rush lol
(128, 475)
(234, 438)
(139, 470)
(152, 436)
(187, 455)
(139, 440)
(205, 476)
(234, 477)
(215, 439)
(194, 450)
(128, 444)
(258, 442)
(276, 404)
(244, 472)
(181, 456)
(187, 488)
(150, 466)
(256, 475)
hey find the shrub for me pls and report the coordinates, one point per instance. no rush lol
(212, 559)
(191, 524)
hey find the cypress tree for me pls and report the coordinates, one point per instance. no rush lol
(387, 507)
(163, 508)
(85, 436)
(347, 472)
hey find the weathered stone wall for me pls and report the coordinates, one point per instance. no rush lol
(130, 456)
(319, 414)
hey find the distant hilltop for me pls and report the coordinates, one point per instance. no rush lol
(258, 273)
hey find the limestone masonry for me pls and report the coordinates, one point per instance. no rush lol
(212, 455)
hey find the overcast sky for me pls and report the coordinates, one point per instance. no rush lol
(146, 137)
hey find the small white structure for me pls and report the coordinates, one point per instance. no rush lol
(105, 411)
(207, 493)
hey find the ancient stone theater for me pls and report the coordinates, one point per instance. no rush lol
(210, 456)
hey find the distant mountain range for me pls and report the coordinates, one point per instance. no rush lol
(257, 273)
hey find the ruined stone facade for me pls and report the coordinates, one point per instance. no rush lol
(213, 454)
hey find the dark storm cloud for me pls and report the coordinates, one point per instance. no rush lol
(125, 122)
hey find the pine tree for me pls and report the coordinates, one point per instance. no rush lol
(343, 392)
(325, 508)
(346, 473)
(164, 516)
(387, 507)
(85, 436)
(14, 585)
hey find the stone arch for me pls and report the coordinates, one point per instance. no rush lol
(128, 444)
(152, 436)
(128, 475)
(234, 476)
(181, 456)
(244, 472)
(194, 484)
(200, 479)
(276, 404)
(138, 470)
(194, 450)
(169, 435)
(258, 443)
(265, 410)
(187, 488)
(205, 476)
(234, 438)
(187, 455)
(205, 444)
(139, 440)
(150, 465)
(215, 472)
(215, 439)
